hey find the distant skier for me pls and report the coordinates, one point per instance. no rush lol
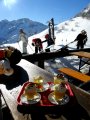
(23, 38)
(81, 39)
(38, 45)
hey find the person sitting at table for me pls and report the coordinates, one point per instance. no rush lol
(13, 55)
(81, 39)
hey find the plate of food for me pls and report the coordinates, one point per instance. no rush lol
(62, 101)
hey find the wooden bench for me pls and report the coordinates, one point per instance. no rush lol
(75, 74)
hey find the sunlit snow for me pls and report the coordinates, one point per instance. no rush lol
(65, 33)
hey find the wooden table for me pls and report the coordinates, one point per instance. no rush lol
(81, 55)
(11, 85)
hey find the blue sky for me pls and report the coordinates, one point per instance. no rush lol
(41, 10)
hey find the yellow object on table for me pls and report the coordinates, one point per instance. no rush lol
(57, 80)
(39, 81)
(60, 88)
(30, 91)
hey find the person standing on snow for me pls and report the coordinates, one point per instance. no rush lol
(23, 38)
(38, 45)
(81, 39)
(49, 40)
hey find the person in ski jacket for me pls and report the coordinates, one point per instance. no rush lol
(38, 45)
(23, 38)
(13, 55)
(81, 39)
(49, 40)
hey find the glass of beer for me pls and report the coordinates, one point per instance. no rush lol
(59, 89)
(30, 91)
(39, 82)
(57, 80)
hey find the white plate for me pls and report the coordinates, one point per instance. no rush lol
(52, 86)
(44, 88)
(36, 99)
(62, 101)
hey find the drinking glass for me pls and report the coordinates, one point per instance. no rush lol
(39, 82)
(59, 88)
(30, 92)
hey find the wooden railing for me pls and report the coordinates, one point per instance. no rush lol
(41, 57)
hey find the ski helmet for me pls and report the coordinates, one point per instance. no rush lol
(47, 36)
(83, 32)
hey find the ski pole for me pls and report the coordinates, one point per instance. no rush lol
(19, 46)
(70, 43)
(31, 47)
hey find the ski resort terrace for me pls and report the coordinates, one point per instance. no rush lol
(25, 71)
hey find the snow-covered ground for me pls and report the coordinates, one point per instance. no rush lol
(70, 62)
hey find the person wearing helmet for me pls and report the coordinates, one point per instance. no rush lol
(49, 40)
(23, 38)
(38, 45)
(81, 39)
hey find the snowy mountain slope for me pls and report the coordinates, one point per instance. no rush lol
(85, 13)
(67, 31)
(9, 29)
(64, 32)
(70, 29)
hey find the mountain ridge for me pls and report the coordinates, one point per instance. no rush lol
(85, 13)
(9, 30)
